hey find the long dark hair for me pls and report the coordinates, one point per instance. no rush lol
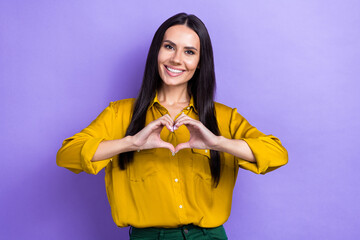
(201, 86)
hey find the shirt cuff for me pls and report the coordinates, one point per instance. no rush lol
(268, 153)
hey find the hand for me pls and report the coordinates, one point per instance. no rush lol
(149, 137)
(200, 136)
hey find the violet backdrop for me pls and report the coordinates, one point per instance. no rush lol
(290, 67)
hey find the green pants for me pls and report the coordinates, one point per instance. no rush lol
(188, 232)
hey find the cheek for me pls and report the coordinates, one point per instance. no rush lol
(192, 64)
(163, 55)
(160, 60)
(160, 56)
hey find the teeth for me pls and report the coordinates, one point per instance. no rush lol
(174, 70)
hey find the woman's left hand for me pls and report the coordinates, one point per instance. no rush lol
(200, 136)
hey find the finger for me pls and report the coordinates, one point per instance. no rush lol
(182, 116)
(170, 121)
(168, 146)
(182, 146)
(161, 122)
(167, 116)
(187, 122)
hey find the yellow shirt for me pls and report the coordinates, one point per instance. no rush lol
(162, 190)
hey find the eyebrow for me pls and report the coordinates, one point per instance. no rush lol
(172, 43)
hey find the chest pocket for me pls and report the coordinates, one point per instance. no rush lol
(143, 165)
(201, 166)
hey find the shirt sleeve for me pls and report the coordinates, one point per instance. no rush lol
(77, 151)
(267, 149)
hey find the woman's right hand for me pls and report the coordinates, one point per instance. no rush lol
(149, 136)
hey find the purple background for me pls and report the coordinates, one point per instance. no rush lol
(290, 67)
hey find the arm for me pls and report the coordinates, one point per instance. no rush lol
(94, 147)
(238, 148)
(110, 148)
(252, 149)
(77, 151)
(147, 138)
(267, 150)
(202, 138)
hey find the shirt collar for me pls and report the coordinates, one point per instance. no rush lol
(156, 101)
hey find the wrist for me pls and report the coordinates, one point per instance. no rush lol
(131, 143)
(220, 142)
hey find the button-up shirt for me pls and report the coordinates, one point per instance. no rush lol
(161, 189)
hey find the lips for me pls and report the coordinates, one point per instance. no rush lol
(173, 72)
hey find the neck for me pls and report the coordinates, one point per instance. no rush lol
(173, 94)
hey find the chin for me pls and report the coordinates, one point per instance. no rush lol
(173, 83)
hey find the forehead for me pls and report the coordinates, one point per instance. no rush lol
(182, 35)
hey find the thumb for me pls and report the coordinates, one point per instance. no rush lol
(168, 146)
(182, 146)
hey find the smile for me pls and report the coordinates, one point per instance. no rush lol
(173, 72)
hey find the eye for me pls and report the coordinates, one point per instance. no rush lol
(189, 52)
(168, 46)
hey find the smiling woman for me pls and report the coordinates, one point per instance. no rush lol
(172, 154)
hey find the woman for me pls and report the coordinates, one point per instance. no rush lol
(172, 154)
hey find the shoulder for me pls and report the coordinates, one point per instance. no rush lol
(222, 109)
(224, 112)
(123, 106)
(128, 102)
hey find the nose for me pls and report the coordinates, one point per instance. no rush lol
(176, 57)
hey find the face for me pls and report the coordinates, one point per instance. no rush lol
(179, 55)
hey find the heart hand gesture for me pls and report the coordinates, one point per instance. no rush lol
(200, 136)
(149, 136)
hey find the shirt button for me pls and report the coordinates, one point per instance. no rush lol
(176, 180)
(186, 230)
(188, 108)
(138, 150)
(173, 154)
(206, 151)
(180, 206)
